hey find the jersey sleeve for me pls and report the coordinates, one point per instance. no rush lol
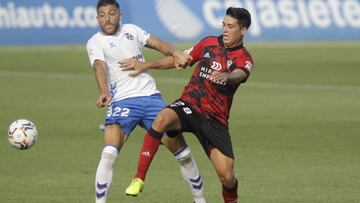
(95, 51)
(246, 65)
(195, 52)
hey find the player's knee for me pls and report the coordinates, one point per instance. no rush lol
(108, 156)
(161, 119)
(161, 122)
(167, 119)
(227, 179)
(110, 152)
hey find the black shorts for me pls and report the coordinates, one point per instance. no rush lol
(210, 133)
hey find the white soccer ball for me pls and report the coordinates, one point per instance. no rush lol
(22, 134)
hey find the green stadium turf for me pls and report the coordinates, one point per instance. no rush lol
(295, 127)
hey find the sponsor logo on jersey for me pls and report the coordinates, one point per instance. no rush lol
(216, 66)
(206, 73)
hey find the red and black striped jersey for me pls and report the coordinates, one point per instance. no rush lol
(212, 98)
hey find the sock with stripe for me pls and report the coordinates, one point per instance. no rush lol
(190, 173)
(104, 173)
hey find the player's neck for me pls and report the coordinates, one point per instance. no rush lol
(236, 44)
(111, 34)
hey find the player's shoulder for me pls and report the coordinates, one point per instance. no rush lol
(247, 54)
(130, 27)
(94, 39)
(209, 39)
(245, 60)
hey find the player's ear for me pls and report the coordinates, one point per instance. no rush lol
(243, 30)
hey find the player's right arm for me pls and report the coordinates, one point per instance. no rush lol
(97, 61)
(100, 75)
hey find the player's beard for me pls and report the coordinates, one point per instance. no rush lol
(112, 31)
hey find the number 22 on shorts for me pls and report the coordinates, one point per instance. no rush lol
(117, 111)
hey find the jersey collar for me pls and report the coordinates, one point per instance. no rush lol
(221, 42)
(114, 35)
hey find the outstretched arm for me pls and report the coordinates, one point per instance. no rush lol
(180, 59)
(159, 45)
(139, 67)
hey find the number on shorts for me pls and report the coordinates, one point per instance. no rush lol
(187, 110)
(117, 111)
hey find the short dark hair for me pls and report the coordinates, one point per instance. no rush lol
(107, 2)
(241, 14)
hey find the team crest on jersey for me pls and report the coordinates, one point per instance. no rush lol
(229, 63)
(248, 65)
(129, 36)
(216, 66)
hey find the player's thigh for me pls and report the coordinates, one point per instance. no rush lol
(114, 135)
(167, 120)
(152, 106)
(125, 113)
(224, 165)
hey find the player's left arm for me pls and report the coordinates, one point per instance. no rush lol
(138, 67)
(159, 45)
(235, 77)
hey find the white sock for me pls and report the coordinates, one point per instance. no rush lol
(104, 173)
(190, 173)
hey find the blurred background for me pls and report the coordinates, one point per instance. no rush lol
(67, 22)
(295, 123)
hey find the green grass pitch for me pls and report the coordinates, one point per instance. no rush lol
(295, 127)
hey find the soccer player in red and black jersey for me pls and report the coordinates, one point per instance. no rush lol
(204, 106)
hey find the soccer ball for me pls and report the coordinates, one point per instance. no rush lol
(22, 134)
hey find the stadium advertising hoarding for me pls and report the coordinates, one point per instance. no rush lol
(56, 21)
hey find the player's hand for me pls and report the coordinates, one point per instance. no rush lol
(220, 76)
(103, 100)
(133, 64)
(181, 59)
